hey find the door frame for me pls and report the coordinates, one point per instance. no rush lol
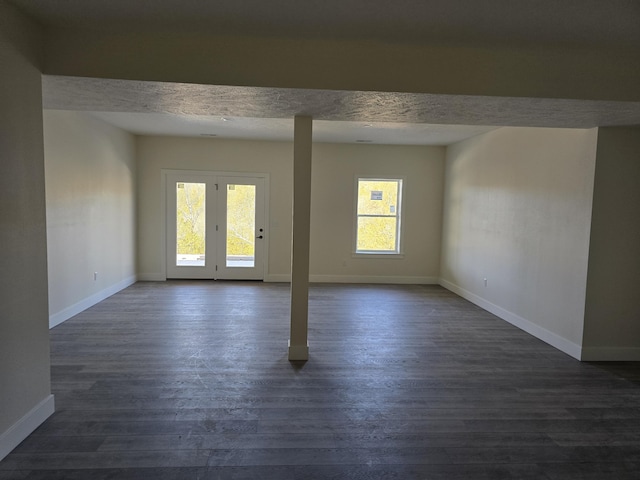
(257, 272)
(166, 172)
(208, 270)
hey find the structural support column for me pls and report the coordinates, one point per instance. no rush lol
(302, 143)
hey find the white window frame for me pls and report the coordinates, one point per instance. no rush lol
(398, 252)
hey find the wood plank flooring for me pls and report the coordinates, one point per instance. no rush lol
(190, 380)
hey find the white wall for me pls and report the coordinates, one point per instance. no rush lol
(25, 390)
(90, 182)
(335, 168)
(333, 171)
(612, 316)
(517, 211)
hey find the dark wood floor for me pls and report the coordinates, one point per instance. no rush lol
(190, 380)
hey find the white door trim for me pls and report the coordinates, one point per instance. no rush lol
(165, 173)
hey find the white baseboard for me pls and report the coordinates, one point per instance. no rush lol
(610, 354)
(528, 326)
(278, 277)
(358, 279)
(76, 308)
(388, 279)
(152, 277)
(26, 425)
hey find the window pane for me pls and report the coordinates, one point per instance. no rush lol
(378, 197)
(190, 224)
(241, 225)
(377, 233)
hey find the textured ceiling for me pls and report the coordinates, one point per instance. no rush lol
(74, 93)
(341, 116)
(592, 23)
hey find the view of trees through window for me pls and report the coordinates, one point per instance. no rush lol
(191, 217)
(241, 202)
(190, 220)
(378, 220)
(378, 216)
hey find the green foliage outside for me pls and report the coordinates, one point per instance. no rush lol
(241, 201)
(377, 234)
(377, 215)
(190, 218)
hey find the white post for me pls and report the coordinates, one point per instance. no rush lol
(302, 144)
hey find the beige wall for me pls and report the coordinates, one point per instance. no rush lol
(612, 317)
(335, 168)
(157, 153)
(517, 212)
(90, 181)
(541, 71)
(25, 399)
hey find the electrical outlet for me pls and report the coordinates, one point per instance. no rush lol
(485, 281)
(95, 276)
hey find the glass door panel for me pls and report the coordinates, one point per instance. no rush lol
(191, 224)
(215, 226)
(242, 213)
(190, 232)
(241, 226)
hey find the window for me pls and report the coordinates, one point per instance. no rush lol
(378, 215)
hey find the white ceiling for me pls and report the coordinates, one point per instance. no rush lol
(381, 117)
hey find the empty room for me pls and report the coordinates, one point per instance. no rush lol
(251, 241)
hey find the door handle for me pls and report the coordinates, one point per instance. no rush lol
(259, 236)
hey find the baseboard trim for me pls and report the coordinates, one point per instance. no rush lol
(610, 354)
(388, 279)
(76, 308)
(152, 277)
(528, 326)
(26, 425)
(398, 280)
(278, 278)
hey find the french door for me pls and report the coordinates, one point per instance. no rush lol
(215, 226)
